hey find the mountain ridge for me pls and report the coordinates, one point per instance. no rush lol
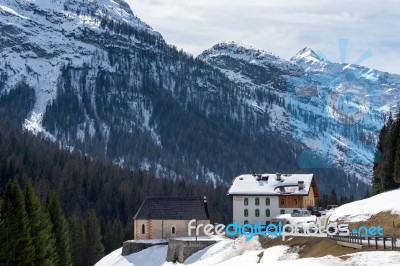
(315, 91)
(119, 92)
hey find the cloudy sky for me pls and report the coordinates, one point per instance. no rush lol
(282, 27)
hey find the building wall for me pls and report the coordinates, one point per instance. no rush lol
(310, 199)
(239, 207)
(159, 229)
(286, 201)
(274, 207)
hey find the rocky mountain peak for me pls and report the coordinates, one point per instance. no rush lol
(306, 54)
(62, 11)
(248, 55)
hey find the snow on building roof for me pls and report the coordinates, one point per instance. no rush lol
(272, 184)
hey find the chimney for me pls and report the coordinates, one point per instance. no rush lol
(301, 185)
(257, 176)
(278, 176)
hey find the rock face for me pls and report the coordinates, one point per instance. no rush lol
(180, 250)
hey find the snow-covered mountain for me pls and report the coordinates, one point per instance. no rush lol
(336, 110)
(94, 77)
(39, 37)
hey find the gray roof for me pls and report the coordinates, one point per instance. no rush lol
(173, 208)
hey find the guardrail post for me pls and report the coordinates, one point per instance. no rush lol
(392, 242)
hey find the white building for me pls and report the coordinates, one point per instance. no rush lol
(261, 197)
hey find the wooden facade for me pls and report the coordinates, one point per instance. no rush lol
(292, 201)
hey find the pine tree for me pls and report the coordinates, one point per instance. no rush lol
(77, 232)
(2, 232)
(60, 229)
(391, 147)
(387, 170)
(333, 198)
(377, 179)
(114, 235)
(396, 173)
(15, 232)
(40, 229)
(94, 247)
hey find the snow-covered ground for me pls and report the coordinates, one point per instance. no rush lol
(362, 210)
(241, 252)
(153, 256)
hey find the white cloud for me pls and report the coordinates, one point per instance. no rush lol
(281, 27)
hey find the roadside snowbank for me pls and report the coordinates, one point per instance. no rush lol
(362, 210)
(153, 256)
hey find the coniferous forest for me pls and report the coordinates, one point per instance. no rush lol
(387, 158)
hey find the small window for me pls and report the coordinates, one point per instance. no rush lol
(143, 229)
(295, 201)
(257, 213)
(245, 222)
(282, 211)
(267, 213)
(246, 212)
(257, 201)
(267, 201)
(173, 230)
(282, 201)
(246, 201)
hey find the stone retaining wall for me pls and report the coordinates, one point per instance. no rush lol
(180, 250)
(130, 247)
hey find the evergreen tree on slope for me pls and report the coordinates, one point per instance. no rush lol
(40, 229)
(94, 247)
(60, 229)
(15, 238)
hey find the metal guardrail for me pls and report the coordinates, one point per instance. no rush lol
(387, 242)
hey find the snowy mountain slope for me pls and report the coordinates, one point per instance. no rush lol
(43, 42)
(107, 84)
(39, 37)
(336, 110)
